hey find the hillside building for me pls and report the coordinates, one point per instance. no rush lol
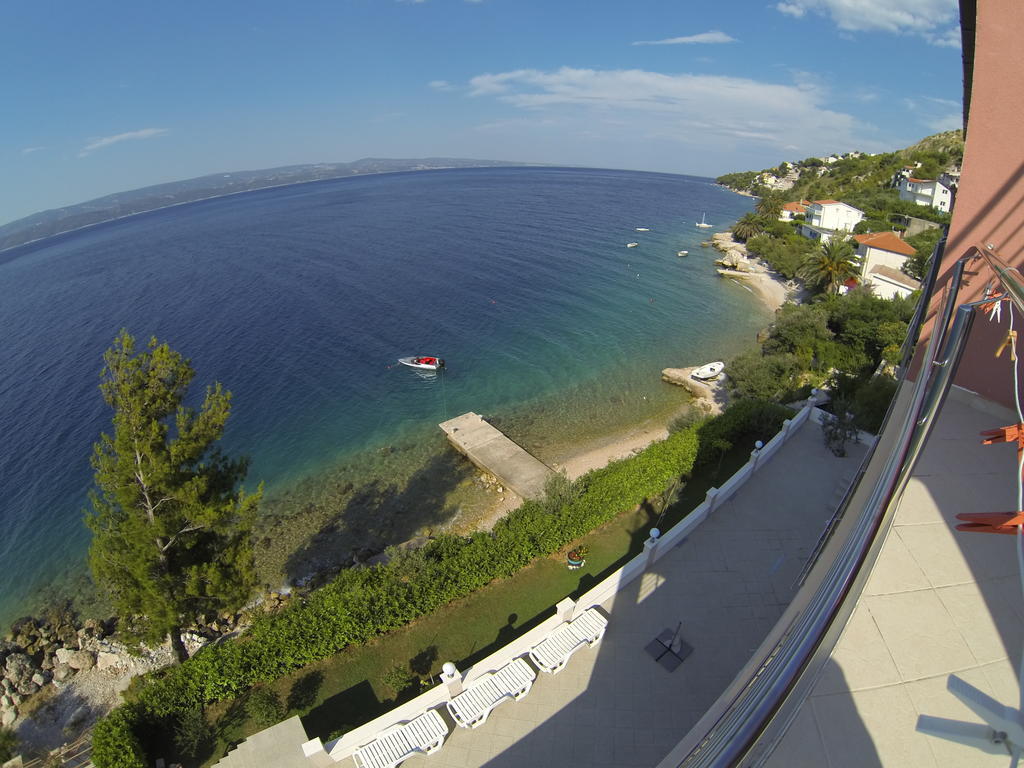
(825, 218)
(929, 192)
(882, 256)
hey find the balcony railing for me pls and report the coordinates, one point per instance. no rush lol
(744, 729)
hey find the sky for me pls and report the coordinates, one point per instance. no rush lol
(102, 96)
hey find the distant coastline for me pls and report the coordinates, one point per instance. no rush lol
(153, 198)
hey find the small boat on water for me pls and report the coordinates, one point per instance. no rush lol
(703, 224)
(425, 363)
(709, 371)
(682, 253)
(632, 245)
(643, 229)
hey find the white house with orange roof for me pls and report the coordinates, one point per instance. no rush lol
(791, 210)
(882, 256)
(930, 192)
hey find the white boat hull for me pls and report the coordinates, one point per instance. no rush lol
(709, 371)
(424, 363)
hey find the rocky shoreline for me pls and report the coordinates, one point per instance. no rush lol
(59, 675)
(736, 264)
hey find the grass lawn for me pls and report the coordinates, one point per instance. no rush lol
(349, 689)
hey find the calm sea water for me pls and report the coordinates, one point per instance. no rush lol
(299, 299)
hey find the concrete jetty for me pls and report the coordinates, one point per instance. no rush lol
(488, 448)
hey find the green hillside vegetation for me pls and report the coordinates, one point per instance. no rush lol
(856, 173)
(863, 181)
(837, 341)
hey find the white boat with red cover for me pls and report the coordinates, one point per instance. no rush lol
(425, 362)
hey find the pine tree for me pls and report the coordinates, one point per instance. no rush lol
(171, 534)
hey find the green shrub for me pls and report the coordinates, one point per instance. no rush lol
(871, 401)
(398, 678)
(746, 420)
(688, 418)
(114, 740)
(192, 734)
(763, 377)
(8, 744)
(264, 706)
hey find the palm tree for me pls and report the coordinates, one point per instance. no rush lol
(770, 204)
(747, 227)
(830, 265)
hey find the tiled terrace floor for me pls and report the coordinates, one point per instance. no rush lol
(727, 584)
(938, 601)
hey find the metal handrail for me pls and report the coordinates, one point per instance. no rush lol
(758, 716)
(914, 329)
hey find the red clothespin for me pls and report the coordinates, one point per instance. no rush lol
(1011, 342)
(1009, 434)
(1014, 433)
(991, 522)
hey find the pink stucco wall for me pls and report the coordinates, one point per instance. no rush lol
(989, 206)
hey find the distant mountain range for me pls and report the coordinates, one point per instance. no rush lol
(57, 220)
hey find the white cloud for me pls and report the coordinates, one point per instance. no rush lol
(701, 110)
(106, 141)
(441, 85)
(793, 9)
(934, 113)
(951, 122)
(30, 150)
(935, 20)
(948, 39)
(714, 36)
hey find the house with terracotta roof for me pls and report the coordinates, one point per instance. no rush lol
(882, 256)
(930, 192)
(791, 210)
(824, 218)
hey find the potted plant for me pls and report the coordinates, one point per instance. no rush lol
(576, 557)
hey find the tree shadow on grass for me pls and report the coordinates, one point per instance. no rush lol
(304, 691)
(344, 711)
(380, 514)
(422, 663)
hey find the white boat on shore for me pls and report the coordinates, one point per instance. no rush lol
(708, 372)
(703, 224)
(427, 363)
(632, 245)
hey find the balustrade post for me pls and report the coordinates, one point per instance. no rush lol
(452, 679)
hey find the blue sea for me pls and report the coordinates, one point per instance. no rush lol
(299, 300)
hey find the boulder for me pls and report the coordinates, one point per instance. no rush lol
(28, 688)
(62, 673)
(7, 717)
(107, 660)
(19, 668)
(81, 660)
(63, 654)
(41, 678)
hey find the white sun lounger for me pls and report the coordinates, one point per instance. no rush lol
(471, 707)
(424, 736)
(553, 651)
